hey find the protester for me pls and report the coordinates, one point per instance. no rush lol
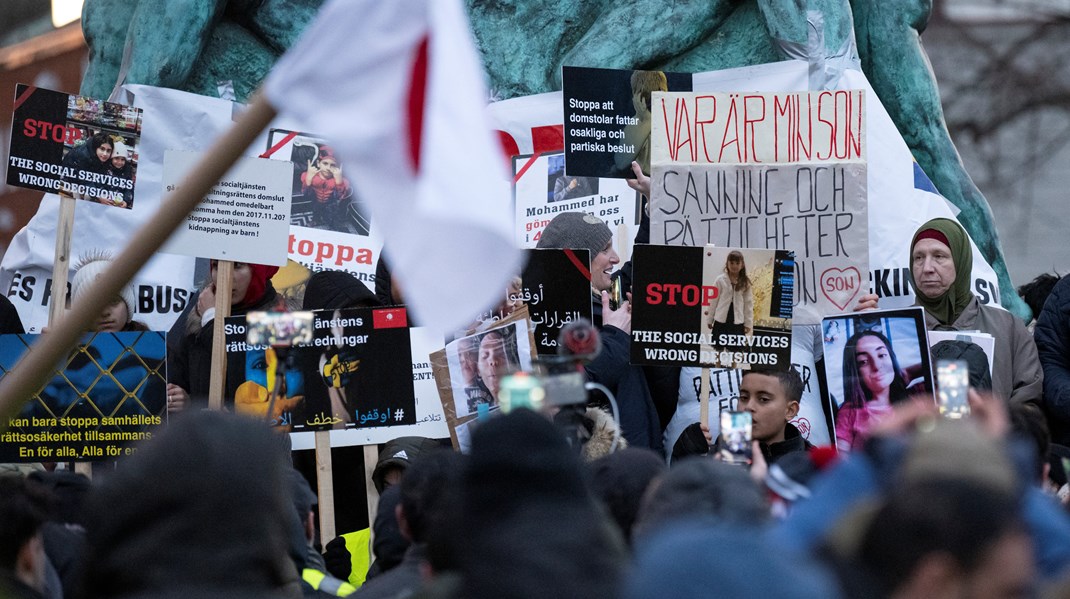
(315, 581)
(772, 398)
(1036, 292)
(706, 489)
(203, 509)
(698, 558)
(23, 563)
(639, 420)
(941, 260)
(336, 289)
(10, 323)
(347, 555)
(118, 315)
(1052, 335)
(424, 495)
(525, 524)
(621, 479)
(189, 361)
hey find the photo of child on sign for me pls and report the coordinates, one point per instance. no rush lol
(74, 146)
(323, 197)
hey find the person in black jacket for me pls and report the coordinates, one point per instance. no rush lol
(639, 420)
(1052, 335)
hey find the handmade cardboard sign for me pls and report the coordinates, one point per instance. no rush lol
(608, 118)
(873, 360)
(776, 171)
(109, 393)
(355, 372)
(74, 146)
(469, 370)
(708, 306)
(244, 218)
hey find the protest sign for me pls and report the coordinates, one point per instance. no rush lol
(556, 288)
(109, 393)
(468, 371)
(608, 117)
(776, 171)
(873, 360)
(356, 372)
(686, 311)
(330, 224)
(245, 216)
(75, 146)
(542, 190)
(977, 349)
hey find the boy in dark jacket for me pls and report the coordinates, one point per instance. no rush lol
(772, 398)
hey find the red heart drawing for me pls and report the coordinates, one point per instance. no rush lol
(841, 285)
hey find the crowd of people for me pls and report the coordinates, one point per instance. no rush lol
(909, 505)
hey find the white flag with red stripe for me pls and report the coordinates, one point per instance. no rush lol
(398, 87)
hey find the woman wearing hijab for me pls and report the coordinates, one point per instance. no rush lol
(941, 263)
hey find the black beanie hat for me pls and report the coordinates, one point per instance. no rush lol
(576, 231)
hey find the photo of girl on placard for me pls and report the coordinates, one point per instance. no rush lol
(873, 361)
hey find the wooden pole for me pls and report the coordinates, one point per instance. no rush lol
(371, 458)
(217, 384)
(704, 397)
(61, 263)
(36, 367)
(325, 484)
(61, 268)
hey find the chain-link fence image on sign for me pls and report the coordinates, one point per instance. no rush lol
(108, 392)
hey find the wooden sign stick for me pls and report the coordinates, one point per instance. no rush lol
(325, 484)
(704, 397)
(61, 263)
(371, 458)
(36, 366)
(224, 284)
(61, 267)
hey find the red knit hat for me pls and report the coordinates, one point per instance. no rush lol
(261, 274)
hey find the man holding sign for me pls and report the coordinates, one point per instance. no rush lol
(638, 417)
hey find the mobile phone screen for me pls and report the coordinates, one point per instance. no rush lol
(735, 437)
(953, 382)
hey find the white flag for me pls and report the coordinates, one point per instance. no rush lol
(398, 88)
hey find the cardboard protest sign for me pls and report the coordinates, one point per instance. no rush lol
(245, 217)
(556, 288)
(542, 190)
(330, 224)
(873, 360)
(608, 117)
(109, 393)
(468, 371)
(74, 146)
(783, 171)
(356, 372)
(686, 311)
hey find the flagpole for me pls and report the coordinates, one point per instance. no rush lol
(37, 366)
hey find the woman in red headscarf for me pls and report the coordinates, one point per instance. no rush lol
(189, 364)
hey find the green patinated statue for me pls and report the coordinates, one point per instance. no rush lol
(192, 45)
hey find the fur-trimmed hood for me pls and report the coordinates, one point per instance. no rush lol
(603, 430)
